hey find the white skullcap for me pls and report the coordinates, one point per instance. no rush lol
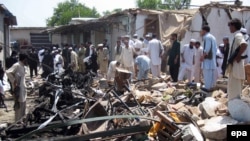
(148, 35)
(225, 37)
(243, 30)
(221, 45)
(100, 45)
(70, 48)
(54, 48)
(135, 35)
(193, 40)
(127, 36)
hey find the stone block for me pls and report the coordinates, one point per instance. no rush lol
(200, 123)
(177, 106)
(239, 110)
(158, 86)
(216, 127)
(208, 107)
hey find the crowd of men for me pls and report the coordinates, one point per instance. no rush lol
(195, 63)
(141, 56)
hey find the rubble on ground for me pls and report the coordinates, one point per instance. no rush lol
(76, 106)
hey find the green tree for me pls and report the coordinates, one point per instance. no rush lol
(69, 9)
(107, 12)
(163, 4)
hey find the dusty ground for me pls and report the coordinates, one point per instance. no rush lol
(8, 116)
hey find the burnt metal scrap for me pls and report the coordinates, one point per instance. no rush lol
(69, 107)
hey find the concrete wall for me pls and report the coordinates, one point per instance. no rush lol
(140, 21)
(2, 35)
(218, 21)
(56, 39)
(117, 30)
(22, 33)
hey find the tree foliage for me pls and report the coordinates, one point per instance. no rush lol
(66, 10)
(163, 4)
(107, 12)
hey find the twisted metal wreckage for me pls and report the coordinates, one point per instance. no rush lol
(69, 107)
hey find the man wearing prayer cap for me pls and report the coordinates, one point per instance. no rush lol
(130, 42)
(58, 61)
(73, 59)
(246, 37)
(187, 61)
(81, 56)
(135, 35)
(148, 37)
(197, 62)
(102, 59)
(243, 31)
(138, 45)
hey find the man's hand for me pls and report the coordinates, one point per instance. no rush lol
(183, 60)
(238, 58)
(202, 58)
(175, 61)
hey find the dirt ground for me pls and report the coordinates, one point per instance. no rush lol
(9, 116)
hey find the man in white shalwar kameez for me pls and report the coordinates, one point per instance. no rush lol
(58, 61)
(126, 57)
(219, 61)
(197, 62)
(209, 58)
(40, 56)
(73, 59)
(138, 45)
(16, 75)
(236, 71)
(118, 49)
(155, 52)
(247, 39)
(130, 42)
(112, 69)
(145, 43)
(187, 61)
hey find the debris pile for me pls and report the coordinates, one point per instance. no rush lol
(77, 106)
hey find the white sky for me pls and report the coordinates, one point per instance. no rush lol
(35, 12)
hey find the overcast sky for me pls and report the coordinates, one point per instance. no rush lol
(35, 12)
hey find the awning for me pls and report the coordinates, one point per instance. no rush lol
(9, 18)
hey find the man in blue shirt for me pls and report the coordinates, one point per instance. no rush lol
(209, 58)
(143, 64)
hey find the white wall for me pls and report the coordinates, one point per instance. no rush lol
(118, 30)
(244, 16)
(140, 20)
(218, 21)
(22, 34)
(56, 39)
(194, 30)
